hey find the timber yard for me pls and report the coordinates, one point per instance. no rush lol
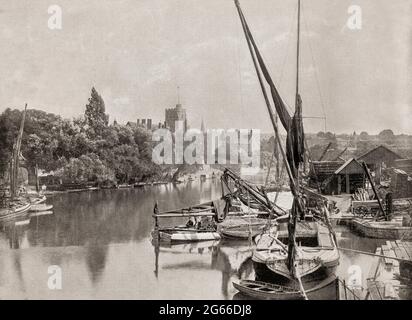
(89, 212)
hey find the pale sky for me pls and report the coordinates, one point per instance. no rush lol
(136, 52)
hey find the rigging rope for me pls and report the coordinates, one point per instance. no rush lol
(314, 65)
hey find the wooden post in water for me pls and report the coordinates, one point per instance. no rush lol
(36, 172)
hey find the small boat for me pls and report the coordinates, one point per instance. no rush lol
(8, 214)
(38, 200)
(125, 186)
(269, 291)
(242, 228)
(195, 230)
(188, 247)
(41, 207)
(187, 235)
(242, 232)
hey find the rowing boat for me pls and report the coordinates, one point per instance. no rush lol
(8, 214)
(41, 207)
(269, 291)
(182, 234)
(242, 228)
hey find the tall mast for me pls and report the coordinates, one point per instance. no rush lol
(297, 56)
(15, 157)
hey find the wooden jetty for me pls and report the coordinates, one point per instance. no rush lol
(395, 257)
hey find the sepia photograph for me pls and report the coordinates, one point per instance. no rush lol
(220, 150)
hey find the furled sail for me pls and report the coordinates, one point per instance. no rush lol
(295, 148)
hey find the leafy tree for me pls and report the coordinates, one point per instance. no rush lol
(386, 134)
(95, 115)
(364, 135)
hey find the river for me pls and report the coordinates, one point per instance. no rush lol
(101, 243)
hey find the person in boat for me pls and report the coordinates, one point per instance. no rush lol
(191, 222)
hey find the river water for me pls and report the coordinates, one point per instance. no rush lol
(101, 243)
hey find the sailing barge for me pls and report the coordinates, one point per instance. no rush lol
(15, 206)
(294, 260)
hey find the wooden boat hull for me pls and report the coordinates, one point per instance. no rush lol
(38, 200)
(242, 232)
(264, 273)
(17, 213)
(41, 207)
(242, 228)
(188, 236)
(381, 230)
(267, 291)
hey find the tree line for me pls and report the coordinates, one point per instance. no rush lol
(84, 149)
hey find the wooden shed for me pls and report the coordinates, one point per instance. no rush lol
(351, 176)
(321, 175)
(378, 158)
(335, 177)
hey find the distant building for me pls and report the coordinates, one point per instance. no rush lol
(145, 123)
(175, 114)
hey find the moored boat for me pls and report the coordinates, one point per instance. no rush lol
(15, 212)
(316, 258)
(295, 259)
(242, 227)
(40, 207)
(200, 226)
(269, 291)
(187, 235)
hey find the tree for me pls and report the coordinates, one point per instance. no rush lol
(364, 135)
(386, 134)
(320, 134)
(95, 115)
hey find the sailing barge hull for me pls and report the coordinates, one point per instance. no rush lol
(318, 265)
(264, 273)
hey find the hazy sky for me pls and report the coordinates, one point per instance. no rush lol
(137, 52)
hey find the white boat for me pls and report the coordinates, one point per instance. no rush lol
(40, 207)
(187, 235)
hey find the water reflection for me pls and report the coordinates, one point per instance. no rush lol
(102, 242)
(230, 258)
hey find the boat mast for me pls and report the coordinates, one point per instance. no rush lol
(297, 57)
(15, 158)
